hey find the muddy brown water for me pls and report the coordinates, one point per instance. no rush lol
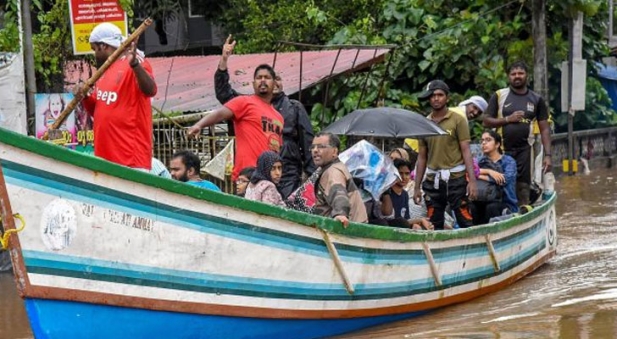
(573, 296)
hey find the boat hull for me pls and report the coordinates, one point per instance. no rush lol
(62, 319)
(105, 244)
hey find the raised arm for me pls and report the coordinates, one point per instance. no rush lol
(145, 81)
(222, 88)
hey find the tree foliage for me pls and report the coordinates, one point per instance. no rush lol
(9, 33)
(466, 43)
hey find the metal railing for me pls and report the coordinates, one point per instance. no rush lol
(589, 144)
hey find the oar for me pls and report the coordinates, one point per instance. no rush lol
(84, 90)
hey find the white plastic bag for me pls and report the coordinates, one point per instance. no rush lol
(365, 161)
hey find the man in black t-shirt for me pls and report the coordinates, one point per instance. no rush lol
(512, 110)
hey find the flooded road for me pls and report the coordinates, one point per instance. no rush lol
(573, 296)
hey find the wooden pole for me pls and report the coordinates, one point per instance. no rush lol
(431, 263)
(540, 66)
(492, 253)
(337, 261)
(28, 60)
(179, 119)
(110, 60)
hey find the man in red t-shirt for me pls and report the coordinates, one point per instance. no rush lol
(120, 102)
(258, 125)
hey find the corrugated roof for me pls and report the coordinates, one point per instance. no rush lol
(186, 84)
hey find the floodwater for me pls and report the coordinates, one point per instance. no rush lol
(573, 296)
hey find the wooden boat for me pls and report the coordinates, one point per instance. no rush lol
(110, 252)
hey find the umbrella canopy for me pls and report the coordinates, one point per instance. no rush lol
(385, 122)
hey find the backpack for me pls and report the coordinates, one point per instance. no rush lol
(489, 191)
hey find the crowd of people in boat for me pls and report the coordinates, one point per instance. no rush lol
(279, 160)
(342, 194)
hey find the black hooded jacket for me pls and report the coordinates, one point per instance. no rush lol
(297, 133)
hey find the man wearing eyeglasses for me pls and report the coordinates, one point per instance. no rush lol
(336, 195)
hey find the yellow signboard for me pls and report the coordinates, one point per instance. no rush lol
(86, 14)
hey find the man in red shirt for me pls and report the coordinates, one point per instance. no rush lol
(258, 125)
(120, 102)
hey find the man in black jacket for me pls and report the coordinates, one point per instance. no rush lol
(297, 131)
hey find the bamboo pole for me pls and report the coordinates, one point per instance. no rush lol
(90, 82)
(179, 119)
(492, 253)
(431, 262)
(337, 261)
(26, 42)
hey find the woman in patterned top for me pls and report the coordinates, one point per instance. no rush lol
(265, 178)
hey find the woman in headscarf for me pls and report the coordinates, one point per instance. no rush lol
(265, 178)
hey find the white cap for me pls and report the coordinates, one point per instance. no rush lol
(476, 100)
(108, 34)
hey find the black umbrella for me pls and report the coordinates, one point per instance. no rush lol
(385, 122)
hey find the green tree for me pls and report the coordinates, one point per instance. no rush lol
(9, 31)
(469, 45)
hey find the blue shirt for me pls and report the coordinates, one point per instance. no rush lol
(508, 164)
(204, 184)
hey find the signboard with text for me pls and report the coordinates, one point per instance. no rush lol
(86, 14)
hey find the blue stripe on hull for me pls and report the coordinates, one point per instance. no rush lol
(66, 320)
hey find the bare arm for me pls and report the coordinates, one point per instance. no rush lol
(492, 176)
(212, 118)
(467, 158)
(545, 134)
(420, 169)
(490, 115)
(228, 49)
(494, 122)
(144, 81)
(386, 205)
